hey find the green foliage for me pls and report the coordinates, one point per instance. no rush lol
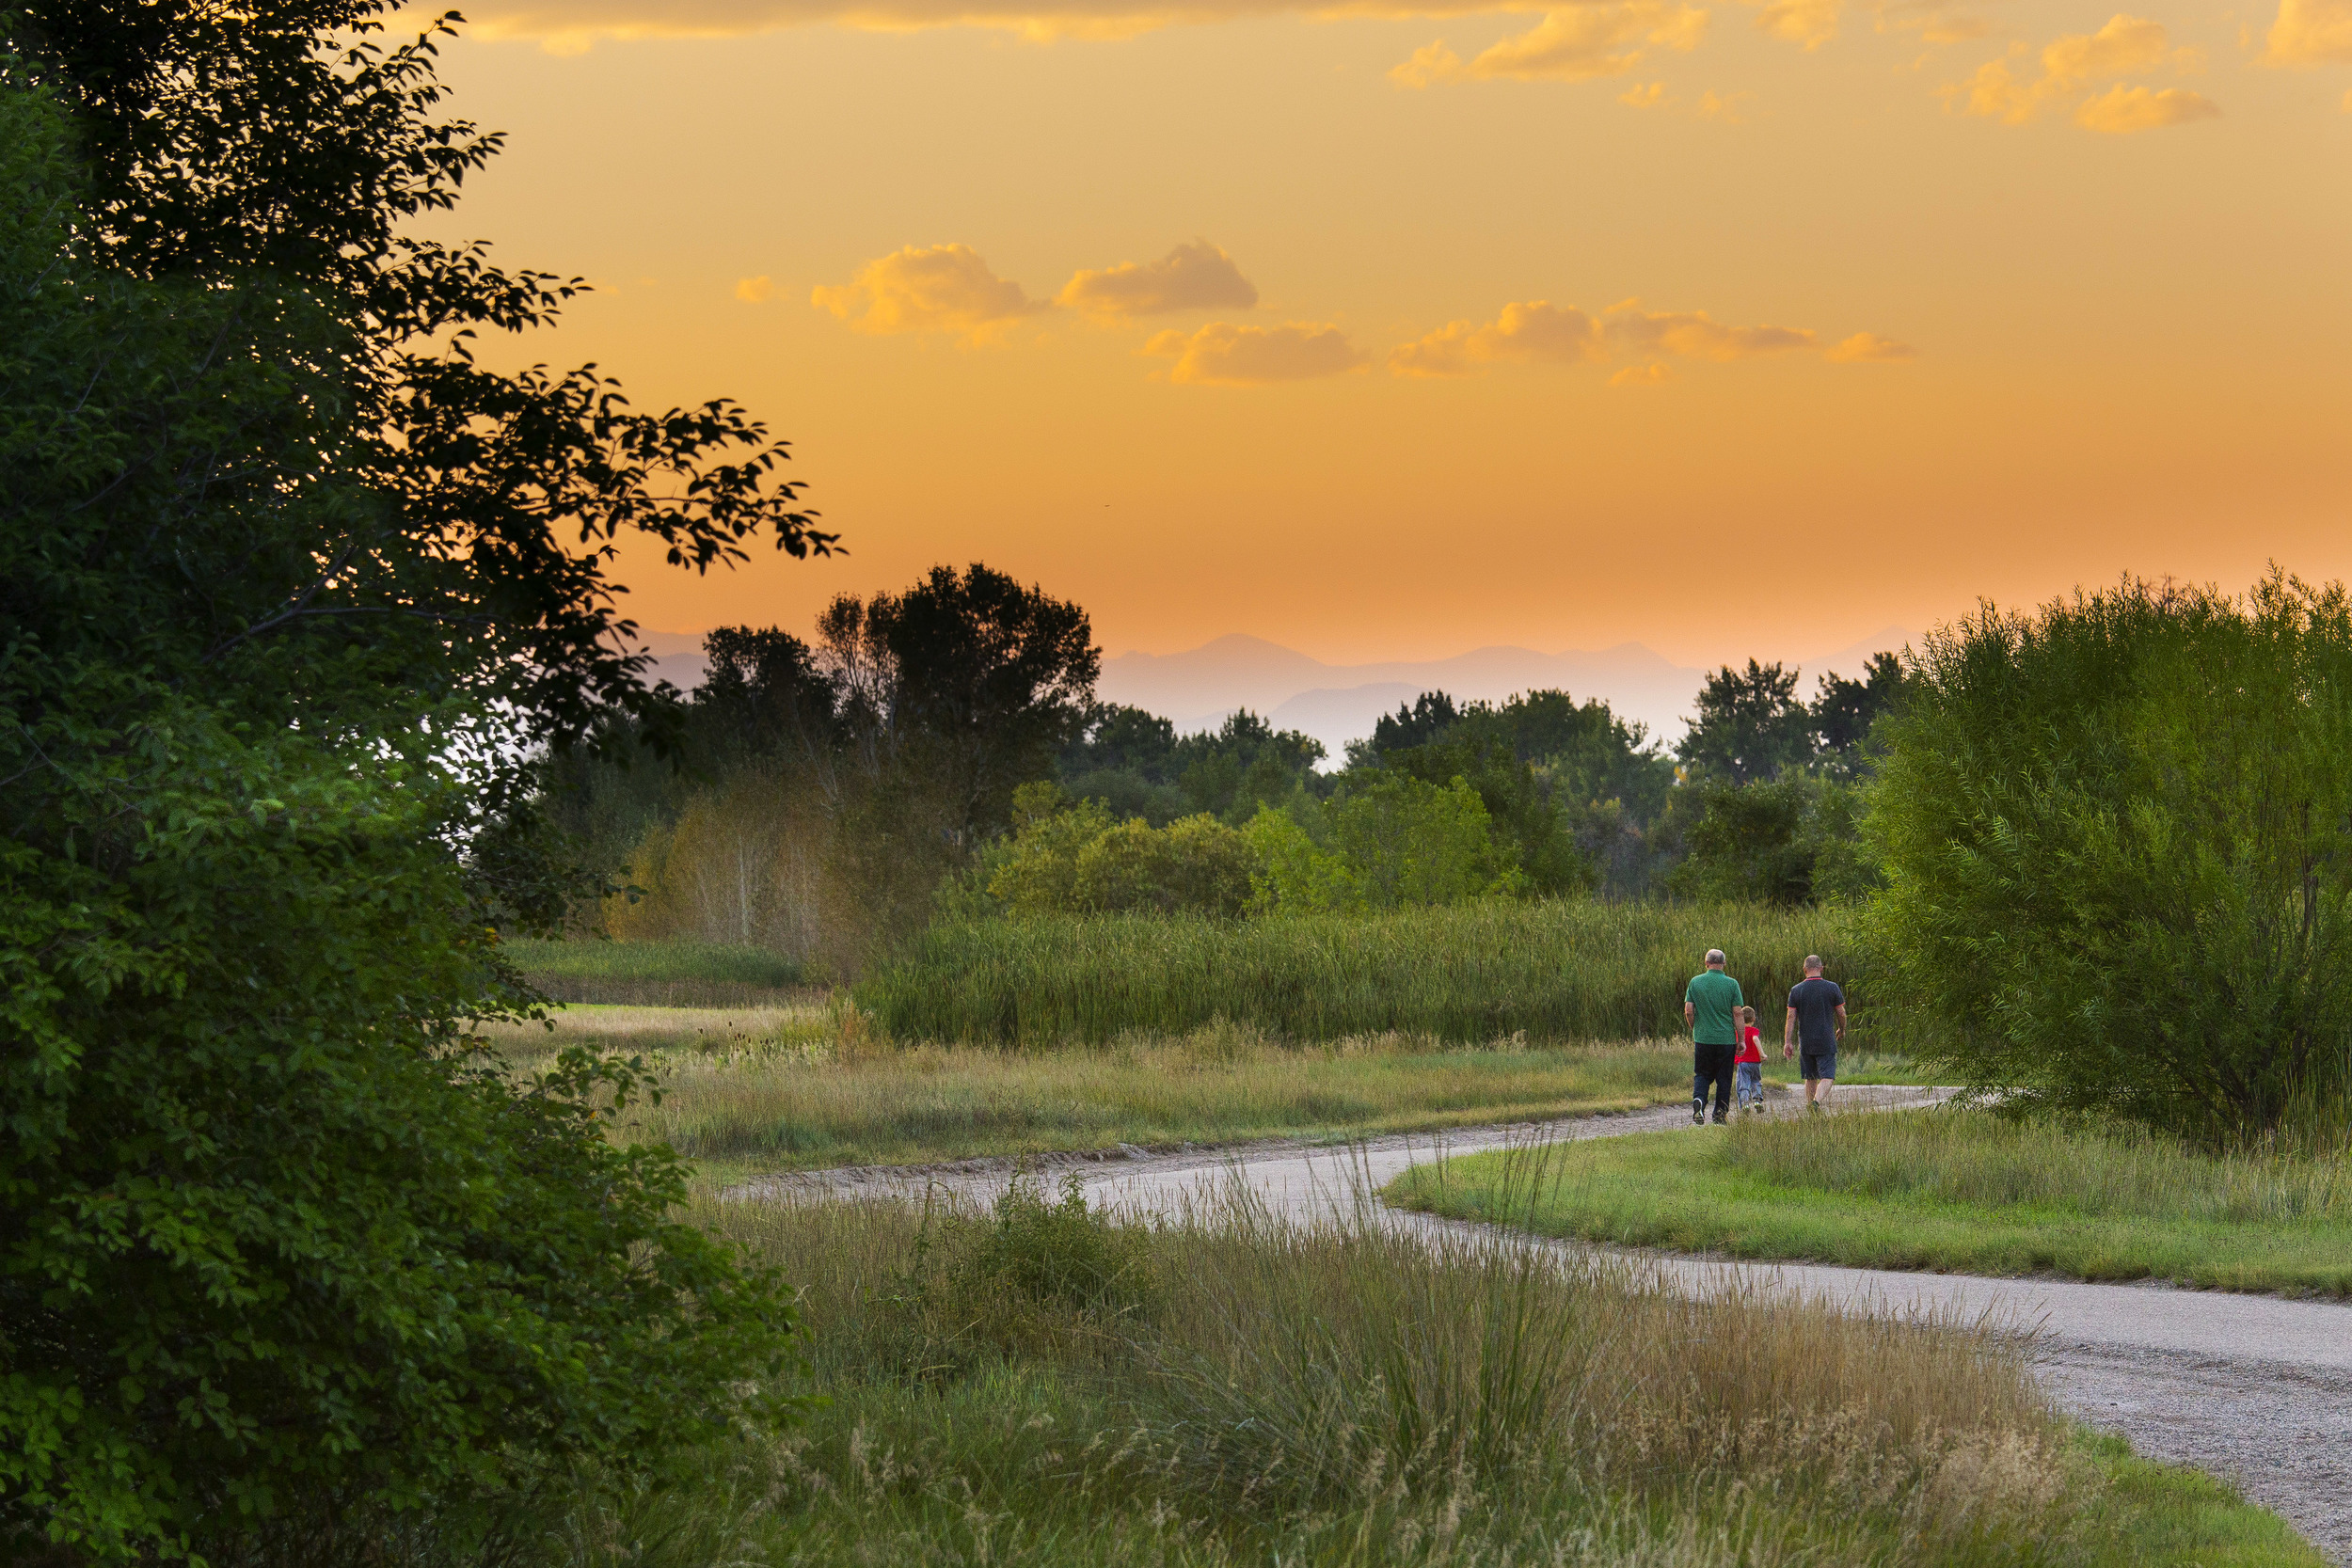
(1055, 1251)
(1136, 765)
(1410, 844)
(2118, 837)
(277, 1240)
(1562, 969)
(1789, 840)
(1292, 872)
(1074, 857)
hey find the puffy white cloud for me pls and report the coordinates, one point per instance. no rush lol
(1537, 330)
(1195, 277)
(940, 288)
(2121, 110)
(1572, 43)
(2311, 32)
(1224, 355)
(1868, 348)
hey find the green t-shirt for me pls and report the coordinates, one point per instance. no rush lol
(1716, 997)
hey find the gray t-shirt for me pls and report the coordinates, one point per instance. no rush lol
(1817, 1002)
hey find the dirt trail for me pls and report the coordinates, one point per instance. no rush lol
(2256, 1389)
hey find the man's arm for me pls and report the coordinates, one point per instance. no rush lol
(1841, 1024)
(1689, 1015)
(1789, 1036)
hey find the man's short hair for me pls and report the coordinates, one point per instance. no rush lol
(1714, 956)
(1812, 962)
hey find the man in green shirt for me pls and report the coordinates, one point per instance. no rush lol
(1710, 1005)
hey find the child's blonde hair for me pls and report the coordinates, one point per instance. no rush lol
(1747, 1015)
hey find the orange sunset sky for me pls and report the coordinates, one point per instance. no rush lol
(1391, 329)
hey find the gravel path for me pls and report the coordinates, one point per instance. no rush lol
(2256, 1389)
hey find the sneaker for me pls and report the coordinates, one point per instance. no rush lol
(1698, 1114)
(1720, 1118)
(1814, 1107)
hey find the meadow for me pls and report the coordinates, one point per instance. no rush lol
(813, 1085)
(1031, 1384)
(657, 973)
(1952, 1189)
(1561, 970)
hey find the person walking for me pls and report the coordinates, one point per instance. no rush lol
(1749, 1064)
(1815, 1028)
(1710, 1005)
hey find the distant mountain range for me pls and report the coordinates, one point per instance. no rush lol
(1339, 703)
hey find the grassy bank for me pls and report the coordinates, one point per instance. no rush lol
(1955, 1189)
(1033, 1387)
(657, 973)
(1557, 970)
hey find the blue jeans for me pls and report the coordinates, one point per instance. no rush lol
(1751, 1083)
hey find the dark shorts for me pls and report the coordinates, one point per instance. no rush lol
(1818, 1064)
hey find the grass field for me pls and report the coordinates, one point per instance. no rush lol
(787, 1088)
(1958, 1190)
(1566, 970)
(1033, 1387)
(656, 974)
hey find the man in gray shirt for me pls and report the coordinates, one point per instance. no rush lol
(1816, 1027)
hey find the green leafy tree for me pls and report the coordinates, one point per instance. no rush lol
(278, 1238)
(1196, 864)
(1795, 839)
(2118, 840)
(1293, 873)
(1408, 842)
(1846, 711)
(1749, 726)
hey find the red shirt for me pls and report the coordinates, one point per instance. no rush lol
(1750, 1044)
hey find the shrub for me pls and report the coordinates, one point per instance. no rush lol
(1408, 842)
(2118, 844)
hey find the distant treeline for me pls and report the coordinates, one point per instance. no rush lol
(941, 747)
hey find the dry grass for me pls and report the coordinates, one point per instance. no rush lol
(799, 1088)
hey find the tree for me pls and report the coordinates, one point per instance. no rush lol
(1845, 711)
(277, 1236)
(979, 681)
(1750, 724)
(2117, 839)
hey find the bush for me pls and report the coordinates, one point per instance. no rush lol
(2119, 845)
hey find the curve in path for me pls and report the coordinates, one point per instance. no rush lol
(2255, 1388)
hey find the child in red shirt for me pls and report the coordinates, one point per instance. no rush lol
(1749, 1064)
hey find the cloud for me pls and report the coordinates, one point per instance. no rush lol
(940, 288)
(1694, 335)
(753, 291)
(1644, 97)
(1811, 22)
(570, 26)
(1224, 355)
(1642, 375)
(1536, 331)
(1729, 107)
(2122, 110)
(2312, 32)
(1572, 43)
(1195, 277)
(2125, 44)
(2070, 64)
(1868, 348)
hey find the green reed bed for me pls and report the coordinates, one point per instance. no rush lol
(656, 974)
(1564, 969)
(1943, 1189)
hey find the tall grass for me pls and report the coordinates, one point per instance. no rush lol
(1564, 969)
(1265, 1392)
(657, 973)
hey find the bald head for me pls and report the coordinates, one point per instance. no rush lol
(1813, 963)
(1714, 958)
